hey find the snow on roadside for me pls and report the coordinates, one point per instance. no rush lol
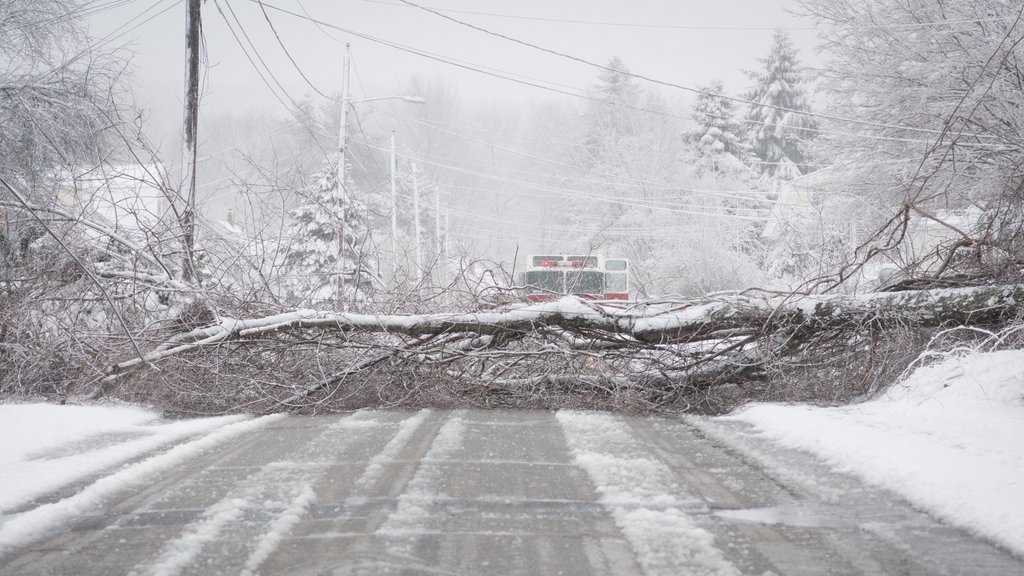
(642, 497)
(948, 439)
(31, 428)
(21, 529)
(47, 446)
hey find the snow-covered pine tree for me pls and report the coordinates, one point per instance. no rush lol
(718, 136)
(776, 130)
(312, 261)
(611, 117)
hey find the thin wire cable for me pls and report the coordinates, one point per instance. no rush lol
(291, 109)
(511, 77)
(86, 9)
(576, 195)
(653, 26)
(288, 53)
(737, 195)
(592, 229)
(669, 84)
(115, 34)
(636, 182)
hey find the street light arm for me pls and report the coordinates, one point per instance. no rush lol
(410, 99)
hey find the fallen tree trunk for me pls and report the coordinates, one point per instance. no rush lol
(639, 326)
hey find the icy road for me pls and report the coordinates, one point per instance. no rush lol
(468, 492)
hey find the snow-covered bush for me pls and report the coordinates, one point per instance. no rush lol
(936, 128)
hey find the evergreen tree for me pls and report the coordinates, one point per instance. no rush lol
(313, 257)
(611, 118)
(718, 136)
(777, 132)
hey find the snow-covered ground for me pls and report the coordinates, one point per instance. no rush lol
(949, 438)
(44, 447)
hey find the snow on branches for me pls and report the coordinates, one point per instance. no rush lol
(582, 325)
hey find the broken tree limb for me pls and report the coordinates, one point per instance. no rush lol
(641, 326)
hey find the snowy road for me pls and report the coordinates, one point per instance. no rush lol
(467, 492)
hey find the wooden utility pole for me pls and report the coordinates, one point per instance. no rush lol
(437, 235)
(342, 141)
(394, 213)
(193, 40)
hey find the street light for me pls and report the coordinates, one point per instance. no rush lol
(347, 101)
(410, 99)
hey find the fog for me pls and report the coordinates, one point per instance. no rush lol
(497, 137)
(714, 40)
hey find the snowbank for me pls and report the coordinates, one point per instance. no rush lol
(24, 528)
(44, 447)
(948, 439)
(31, 428)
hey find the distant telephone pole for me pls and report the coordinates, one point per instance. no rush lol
(394, 212)
(437, 234)
(416, 218)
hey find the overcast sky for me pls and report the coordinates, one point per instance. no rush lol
(711, 40)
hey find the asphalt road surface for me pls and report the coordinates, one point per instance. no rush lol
(471, 493)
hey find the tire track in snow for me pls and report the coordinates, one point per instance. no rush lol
(181, 552)
(281, 478)
(286, 486)
(306, 497)
(642, 497)
(391, 451)
(47, 519)
(280, 528)
(423, 490)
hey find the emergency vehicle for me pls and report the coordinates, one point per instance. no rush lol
(549, 277)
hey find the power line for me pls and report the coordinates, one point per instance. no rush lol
(577, 194)
(642, 25)
(594, 229)
(256, 53)
(116, 33)
(556, 237)
(668, 84)
(287, 53)
(86, 9)
(636, 182)
(511, 77)
(687, 210)
(655, 26)
(291, 109)
(736, 195)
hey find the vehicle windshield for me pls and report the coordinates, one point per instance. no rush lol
(545, 281)
(586, 282)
